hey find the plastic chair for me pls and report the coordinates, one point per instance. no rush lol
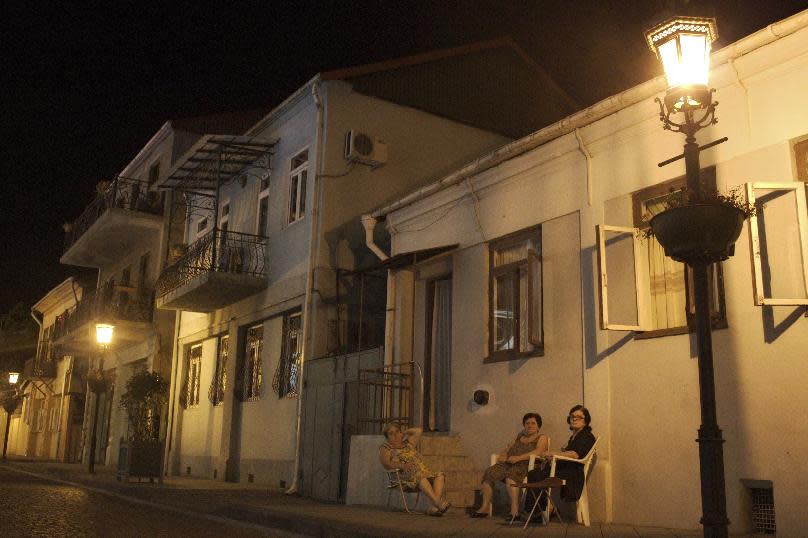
(531, 464)
(394, 482)
(582, 505)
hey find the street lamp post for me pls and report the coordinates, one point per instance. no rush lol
(683, 46)
(103, 336)
(9, 405)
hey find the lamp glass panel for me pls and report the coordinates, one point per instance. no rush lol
(695, 60)
(13, 377)
(103, 334)
(670, 61)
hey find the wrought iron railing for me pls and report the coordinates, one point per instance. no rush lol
(109, 303)
(123, 193)
(385, 395)
(217, 251)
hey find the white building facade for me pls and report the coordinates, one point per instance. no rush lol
(543, 307)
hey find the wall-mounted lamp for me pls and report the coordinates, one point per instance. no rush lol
(480, 397)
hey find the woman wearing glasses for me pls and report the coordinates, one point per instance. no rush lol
(578, 446)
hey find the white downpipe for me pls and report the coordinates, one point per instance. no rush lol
(588, 156)
(308, 311)
(369, 223)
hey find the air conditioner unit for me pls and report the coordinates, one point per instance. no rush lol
(363, 148)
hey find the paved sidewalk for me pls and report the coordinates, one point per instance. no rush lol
(270, 507)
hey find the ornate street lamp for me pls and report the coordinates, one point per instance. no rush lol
(98, 384)
(9, 405)
(683, 46)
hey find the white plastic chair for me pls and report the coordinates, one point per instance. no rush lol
(582, 505)
(394, 482)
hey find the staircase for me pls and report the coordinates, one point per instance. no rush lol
(444, 452)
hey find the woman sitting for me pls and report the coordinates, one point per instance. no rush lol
(399, 453)
(512, 464)
(578, 446)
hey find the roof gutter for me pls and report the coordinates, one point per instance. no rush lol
(598, 111)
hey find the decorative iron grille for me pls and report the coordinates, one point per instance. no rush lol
(385, 395)
(110, 303)
(763, 510)
(216, 251)
(123, 193)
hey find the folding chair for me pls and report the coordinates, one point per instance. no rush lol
(531, 464)
(394, 482)
(544, 488)
(582, 505)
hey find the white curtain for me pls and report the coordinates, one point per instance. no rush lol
(441, 382)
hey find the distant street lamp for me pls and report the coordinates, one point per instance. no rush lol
(98, 384)
(683, 46)
(9, 405)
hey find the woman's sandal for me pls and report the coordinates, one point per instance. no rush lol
(434, 512)
(479, 514)
(445, 506)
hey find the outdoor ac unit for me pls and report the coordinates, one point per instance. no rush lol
(363, 148)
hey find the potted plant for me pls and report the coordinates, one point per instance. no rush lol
(144, 399)
(700, 226)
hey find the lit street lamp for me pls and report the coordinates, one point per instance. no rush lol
(98, 384)
(683, 46)
(9, 405)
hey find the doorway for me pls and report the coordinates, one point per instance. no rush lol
(437, 355)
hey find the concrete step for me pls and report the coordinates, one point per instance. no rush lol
(441, 445)
(448, 463)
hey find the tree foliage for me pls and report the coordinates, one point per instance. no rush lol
(146, 394)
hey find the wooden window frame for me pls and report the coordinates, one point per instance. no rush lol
(644, 329)
(531, 261)
(262, 230)
(754, 238)
(298, 178)
(800, 152)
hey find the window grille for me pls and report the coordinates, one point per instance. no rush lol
(194, 373)
(219, 385)
(763, 510)
(285, 382)
(253, 374)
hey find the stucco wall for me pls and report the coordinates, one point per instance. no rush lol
(643, 394)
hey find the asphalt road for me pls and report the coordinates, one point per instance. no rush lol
(31, 506)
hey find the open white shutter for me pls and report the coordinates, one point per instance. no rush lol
(625, 281)
(779, 240)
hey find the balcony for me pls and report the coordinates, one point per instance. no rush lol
(219, 269)
(123, 218)
(129, 309)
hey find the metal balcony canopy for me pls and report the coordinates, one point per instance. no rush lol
(217, 159)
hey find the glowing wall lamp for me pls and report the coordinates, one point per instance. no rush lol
(13, 377)
(103, 333)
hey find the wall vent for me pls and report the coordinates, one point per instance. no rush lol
(761, 495)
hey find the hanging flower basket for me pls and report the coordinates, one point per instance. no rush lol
(704, 233)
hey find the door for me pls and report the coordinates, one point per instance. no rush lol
(437, 383)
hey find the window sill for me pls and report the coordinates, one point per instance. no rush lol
(505, 356)
(673, 331)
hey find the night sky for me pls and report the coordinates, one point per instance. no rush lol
(85, 85)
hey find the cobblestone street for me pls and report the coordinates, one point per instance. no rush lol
(32, 506)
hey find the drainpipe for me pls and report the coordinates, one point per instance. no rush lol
(588, 156)
(308, 310)
(369, 223)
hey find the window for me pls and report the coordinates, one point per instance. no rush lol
(515, 327)
(263, 208)
(201, 226)
(253, 376)
(219, 385)
(194, 373)
(224, 216)
(297, 185)
(143, 270)
(154, 173)
(779, 233)
(657, 298)
(53, 422)
(287, 375)
(126, 275)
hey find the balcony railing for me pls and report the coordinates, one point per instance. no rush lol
(220, 252)
(109, 303)
(122, 193)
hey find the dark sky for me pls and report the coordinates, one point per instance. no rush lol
(85, 85)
